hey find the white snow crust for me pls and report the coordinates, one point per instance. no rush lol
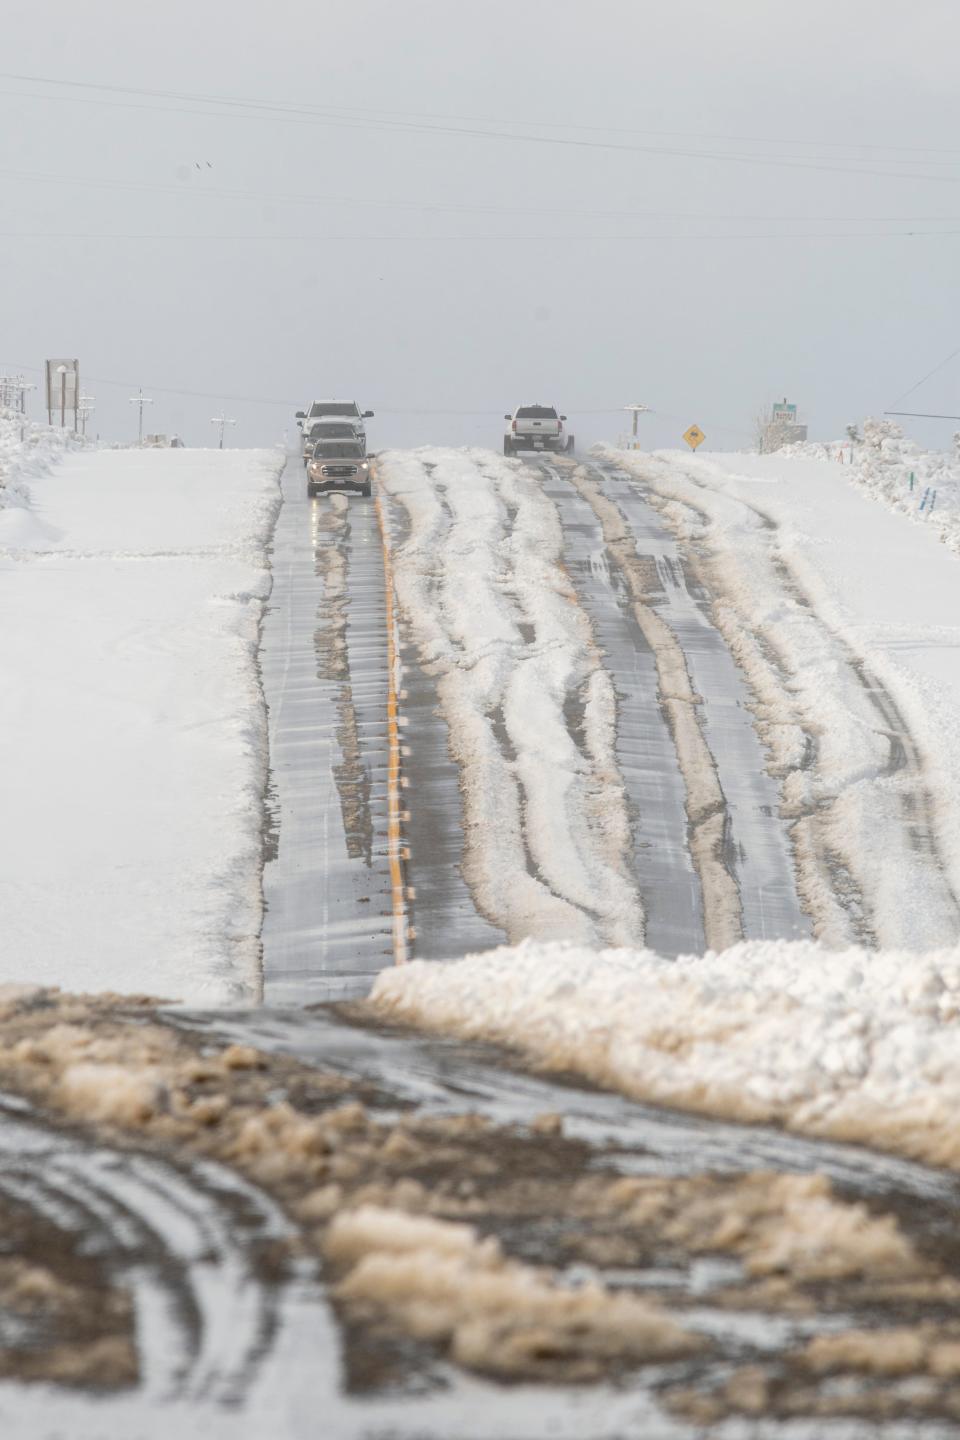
(858, 1045)
(831, 603)
(496, 619)
(132, 724)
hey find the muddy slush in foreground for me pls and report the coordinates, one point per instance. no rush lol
(515, 1251)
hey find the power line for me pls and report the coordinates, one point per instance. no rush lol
(928, 376)
(334, 111)
(314, 239)
(215, 192)
(287, 115)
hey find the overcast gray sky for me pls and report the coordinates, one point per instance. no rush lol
(709, 209)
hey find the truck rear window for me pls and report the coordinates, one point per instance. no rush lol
(536, 412)
(333, 407)
(337, 450)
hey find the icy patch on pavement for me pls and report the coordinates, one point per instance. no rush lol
(495, 617)
(132, 724)
(858, 1046)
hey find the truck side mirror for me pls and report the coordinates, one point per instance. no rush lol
(301, 415)
(368, 415)
(508, 417)
(563, 417)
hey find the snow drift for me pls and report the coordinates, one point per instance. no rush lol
(857, 1045)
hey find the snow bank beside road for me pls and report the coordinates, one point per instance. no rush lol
(858, 1046)
(132, 726)
(26, 450)
(882, 463)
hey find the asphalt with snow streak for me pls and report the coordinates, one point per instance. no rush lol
(324, 660)
(327, 925)
(755, 848)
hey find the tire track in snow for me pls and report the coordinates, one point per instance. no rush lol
(645, 751)
(497, 623)
(858, 774)
(705, 803)
(194, 1247)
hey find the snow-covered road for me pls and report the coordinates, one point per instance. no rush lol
(838, 611)
(642, 700)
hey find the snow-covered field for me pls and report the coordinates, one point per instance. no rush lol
(840, 613)
(496, 619)
(132, 725)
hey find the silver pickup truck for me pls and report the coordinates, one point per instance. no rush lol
(535, 427)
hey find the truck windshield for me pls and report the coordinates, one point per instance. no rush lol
(334, 407)
(337, 450)
(536, 412)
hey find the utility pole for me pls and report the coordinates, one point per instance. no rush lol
(13, 392)
(140, 400)
(222, 422)
(85, 407)
(636, 410)
(13, 396)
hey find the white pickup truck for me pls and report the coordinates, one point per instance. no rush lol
(335, 410)
(535, 427)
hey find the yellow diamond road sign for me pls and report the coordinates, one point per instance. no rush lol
(694, 436)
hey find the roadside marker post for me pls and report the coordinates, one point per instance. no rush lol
(911, 481)
(923, 502)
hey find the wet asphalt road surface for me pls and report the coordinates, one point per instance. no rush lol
(327, 927)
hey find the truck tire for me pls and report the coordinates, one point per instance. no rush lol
(570, 442)
(367, 491)
(508, 447)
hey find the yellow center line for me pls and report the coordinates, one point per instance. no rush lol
(394, 838)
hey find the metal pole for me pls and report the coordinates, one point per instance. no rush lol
(221, 422)
(140, 400)
(62, 371)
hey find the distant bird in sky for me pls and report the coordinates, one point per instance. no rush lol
(198, 166)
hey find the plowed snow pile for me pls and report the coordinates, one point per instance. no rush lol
(132, 726)
(529, 706)
(858, 1045)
